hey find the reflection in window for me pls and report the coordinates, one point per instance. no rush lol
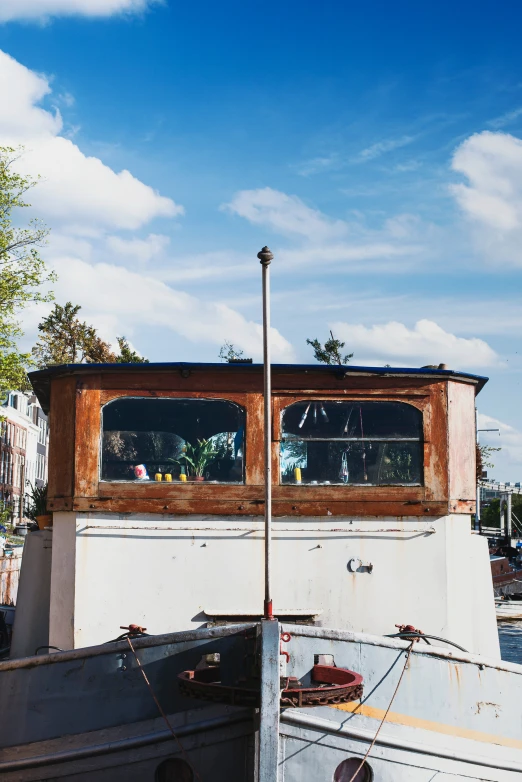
(369, 443)
(172, 440)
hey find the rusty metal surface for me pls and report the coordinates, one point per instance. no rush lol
(9, 579)
(330, 685)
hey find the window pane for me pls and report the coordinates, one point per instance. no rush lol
(201, 439)
(333, 420)
(378, 443)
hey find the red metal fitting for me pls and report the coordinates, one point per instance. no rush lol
(133, 629)
(285, 638)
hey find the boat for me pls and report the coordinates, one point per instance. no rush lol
(282, 546)
(508, 608)
(505, 575)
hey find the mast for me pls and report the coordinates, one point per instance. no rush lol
(265, 258)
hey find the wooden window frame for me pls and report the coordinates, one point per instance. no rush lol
(74, 483)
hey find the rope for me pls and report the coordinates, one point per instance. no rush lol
(156, 701)
(408, 653)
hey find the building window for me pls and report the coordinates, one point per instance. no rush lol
(357, 443)
(186, 439)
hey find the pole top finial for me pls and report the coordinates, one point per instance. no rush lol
(265, 256)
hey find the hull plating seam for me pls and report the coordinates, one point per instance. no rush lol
(123, 744)
(360, 734)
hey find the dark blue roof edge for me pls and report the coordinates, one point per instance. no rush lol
(481, 380)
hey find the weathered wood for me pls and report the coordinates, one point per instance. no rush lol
(254, 507)
(109, 394)
(289, 492)
(436, 444)
(61, 438)
(254, 441)
(78, 486)
(88, 433)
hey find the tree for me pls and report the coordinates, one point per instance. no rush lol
(65, 339)
(23, 274)
(127, 355)
(330, 352)
(228, 352)
(484, 453)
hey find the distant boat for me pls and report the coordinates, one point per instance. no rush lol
(508, 609)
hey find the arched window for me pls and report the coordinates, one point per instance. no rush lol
(172, 439)
(367, 443)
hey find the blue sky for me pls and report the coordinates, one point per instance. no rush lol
(376, 147)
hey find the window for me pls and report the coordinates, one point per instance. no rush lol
(353, 770)
(172, 439)
(365, 443)
(174, 770)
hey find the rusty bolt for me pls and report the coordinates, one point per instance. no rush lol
(241, 507)
(265, 256)
(92, 506)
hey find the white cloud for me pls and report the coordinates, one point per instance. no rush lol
(285, 214)
(75, 189)
(44, 9)
(327, 241)
(138, 249)
(510, 439)
(506, 119)
(492, 199)
(426, 343)
(386, 145)
(119, 301)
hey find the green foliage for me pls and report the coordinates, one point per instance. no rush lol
(330, 352)
(127, 355)
(23, 274)
(484, 453)
(65, 339)
(37, 502)
(490, 514)
(228, 352)
(6, 513)
(398, 464)
(198, 457)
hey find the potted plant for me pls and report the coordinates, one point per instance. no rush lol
(37, 509)
(196, 458)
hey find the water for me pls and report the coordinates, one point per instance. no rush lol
(510, 635)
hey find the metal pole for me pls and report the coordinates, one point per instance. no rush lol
(270, 699)
(265, 258)
(478, 527)
(509, 510)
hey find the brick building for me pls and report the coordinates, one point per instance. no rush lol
(24, 439)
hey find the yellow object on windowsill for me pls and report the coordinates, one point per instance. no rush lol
(158, 476)
(168, 477)
(297, 475)
(183, 478)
